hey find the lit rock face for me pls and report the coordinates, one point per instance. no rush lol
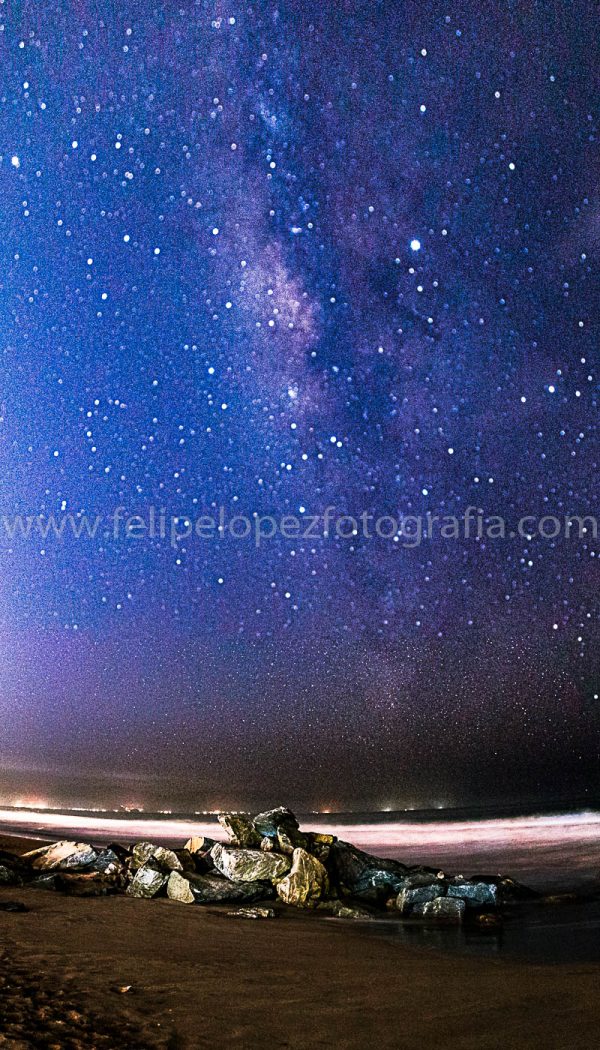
(162, 858)
(249, 865)
(306, 883)
(61, 856)
(147, 882)
(447, 910)
(241, 830)
(474, 893)
(214, 889)
(363, 875)
(269, 823)
(409, 897)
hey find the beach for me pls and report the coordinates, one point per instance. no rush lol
(196, 977)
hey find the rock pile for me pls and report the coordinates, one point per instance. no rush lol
(267, 857)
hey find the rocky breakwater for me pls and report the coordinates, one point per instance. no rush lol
(267, 858)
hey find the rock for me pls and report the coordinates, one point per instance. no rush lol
(489, 920)
(425, 877)
(320, 845)
(86, 884)
(474, 893)
(108, 862)
(306, 883)
(9, 877)
(249, 865)
(213, 889)
(268, 823)
(147, 882)
(47, 881)
(199, 844)
(408, 898)
(268, 845)
(253, 913)
(240, 829)
(288, 841)
(179, 889)
(61, 856)
(162, 858)
(444, 910)
(345, 911)
(362, 875)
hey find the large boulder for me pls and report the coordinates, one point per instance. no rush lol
(249, 865)
(61, 856)
(271, 821)
(87, 883)
(163, 859)
(147, 882)
(240, 829)
(108, 863)
(307, 882)
(213, 889)
(359, 874)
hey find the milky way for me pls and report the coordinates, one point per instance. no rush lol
(274, 258)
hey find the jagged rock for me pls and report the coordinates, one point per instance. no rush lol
(213, 889)
(9, 877)
(424, 877)
(362, 875)
(306, 883)
(268, 823)
(108, 862)
(179, 889)
(253, 913)
(320, 845)
(162, 858)
(147, 882)
(268, 845)
(408, 898)
(249, 865)
(240, 829)
(199, 844)
(61, 856)
(444, 910)
(86, 884)
(474, 893)
(288, 841)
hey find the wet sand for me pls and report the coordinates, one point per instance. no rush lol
(203, 979)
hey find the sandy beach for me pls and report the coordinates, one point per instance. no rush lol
(200, 978)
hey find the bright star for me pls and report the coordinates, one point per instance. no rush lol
(415, 245)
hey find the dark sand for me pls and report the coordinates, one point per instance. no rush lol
(202, 979)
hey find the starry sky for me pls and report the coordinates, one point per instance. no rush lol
(274, 257)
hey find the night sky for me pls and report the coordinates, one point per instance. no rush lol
(271, 258)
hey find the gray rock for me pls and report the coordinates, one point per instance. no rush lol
(362, 875)
(344, 911)
(307, 882)
(162, 858)
(444, 910)
(268, 823)
(108, 863)
(61, 856)
(147, 882)
(474, 893)
(253, 913)
(240, 829)
(214, 889)
(249, 865)
(408, 898)
(421, 878)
